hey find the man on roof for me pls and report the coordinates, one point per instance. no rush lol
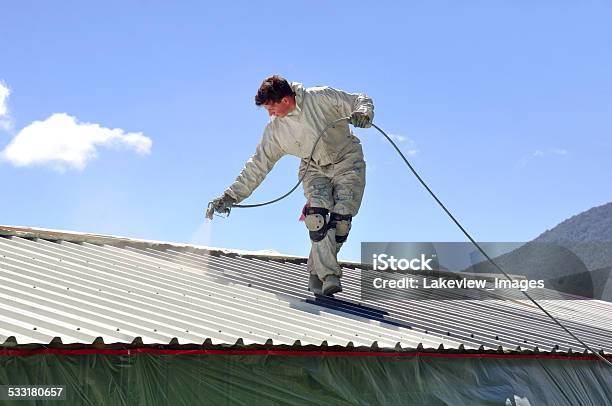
(335, 179)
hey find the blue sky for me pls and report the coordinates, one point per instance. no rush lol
(145, 113)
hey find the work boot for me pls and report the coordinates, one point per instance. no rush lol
(315, 285)
(331, 285)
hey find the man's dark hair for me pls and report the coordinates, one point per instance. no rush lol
(272, 90)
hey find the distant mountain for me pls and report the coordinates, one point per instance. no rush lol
(573, 257)
(592, 225)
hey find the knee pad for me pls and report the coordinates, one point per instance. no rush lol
(342, 224)
(315, 219)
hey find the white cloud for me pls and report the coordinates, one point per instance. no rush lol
(4, 94)
(538, 153)
(409, 145)
(6, 124)
(63, 143)
(5, 118)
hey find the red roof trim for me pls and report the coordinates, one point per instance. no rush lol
(289, 353)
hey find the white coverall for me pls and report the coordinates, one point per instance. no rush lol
(336, 176)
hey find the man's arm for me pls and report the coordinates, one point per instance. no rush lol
(350, 103)
(267, 153)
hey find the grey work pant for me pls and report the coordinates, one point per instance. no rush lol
(339, 188)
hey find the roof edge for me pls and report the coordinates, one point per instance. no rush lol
(119, 241)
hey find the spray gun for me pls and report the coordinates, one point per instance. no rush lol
(210, 211)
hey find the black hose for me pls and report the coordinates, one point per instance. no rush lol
(483, 251)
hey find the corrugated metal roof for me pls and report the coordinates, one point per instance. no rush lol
(121, 290)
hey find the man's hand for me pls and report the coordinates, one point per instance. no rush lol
(360, 119)
(221, 204)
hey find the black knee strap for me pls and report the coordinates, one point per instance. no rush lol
(317, 235)
(334, 218)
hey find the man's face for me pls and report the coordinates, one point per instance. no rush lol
(282, 108)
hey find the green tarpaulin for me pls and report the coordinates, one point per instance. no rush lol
(301, 378)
